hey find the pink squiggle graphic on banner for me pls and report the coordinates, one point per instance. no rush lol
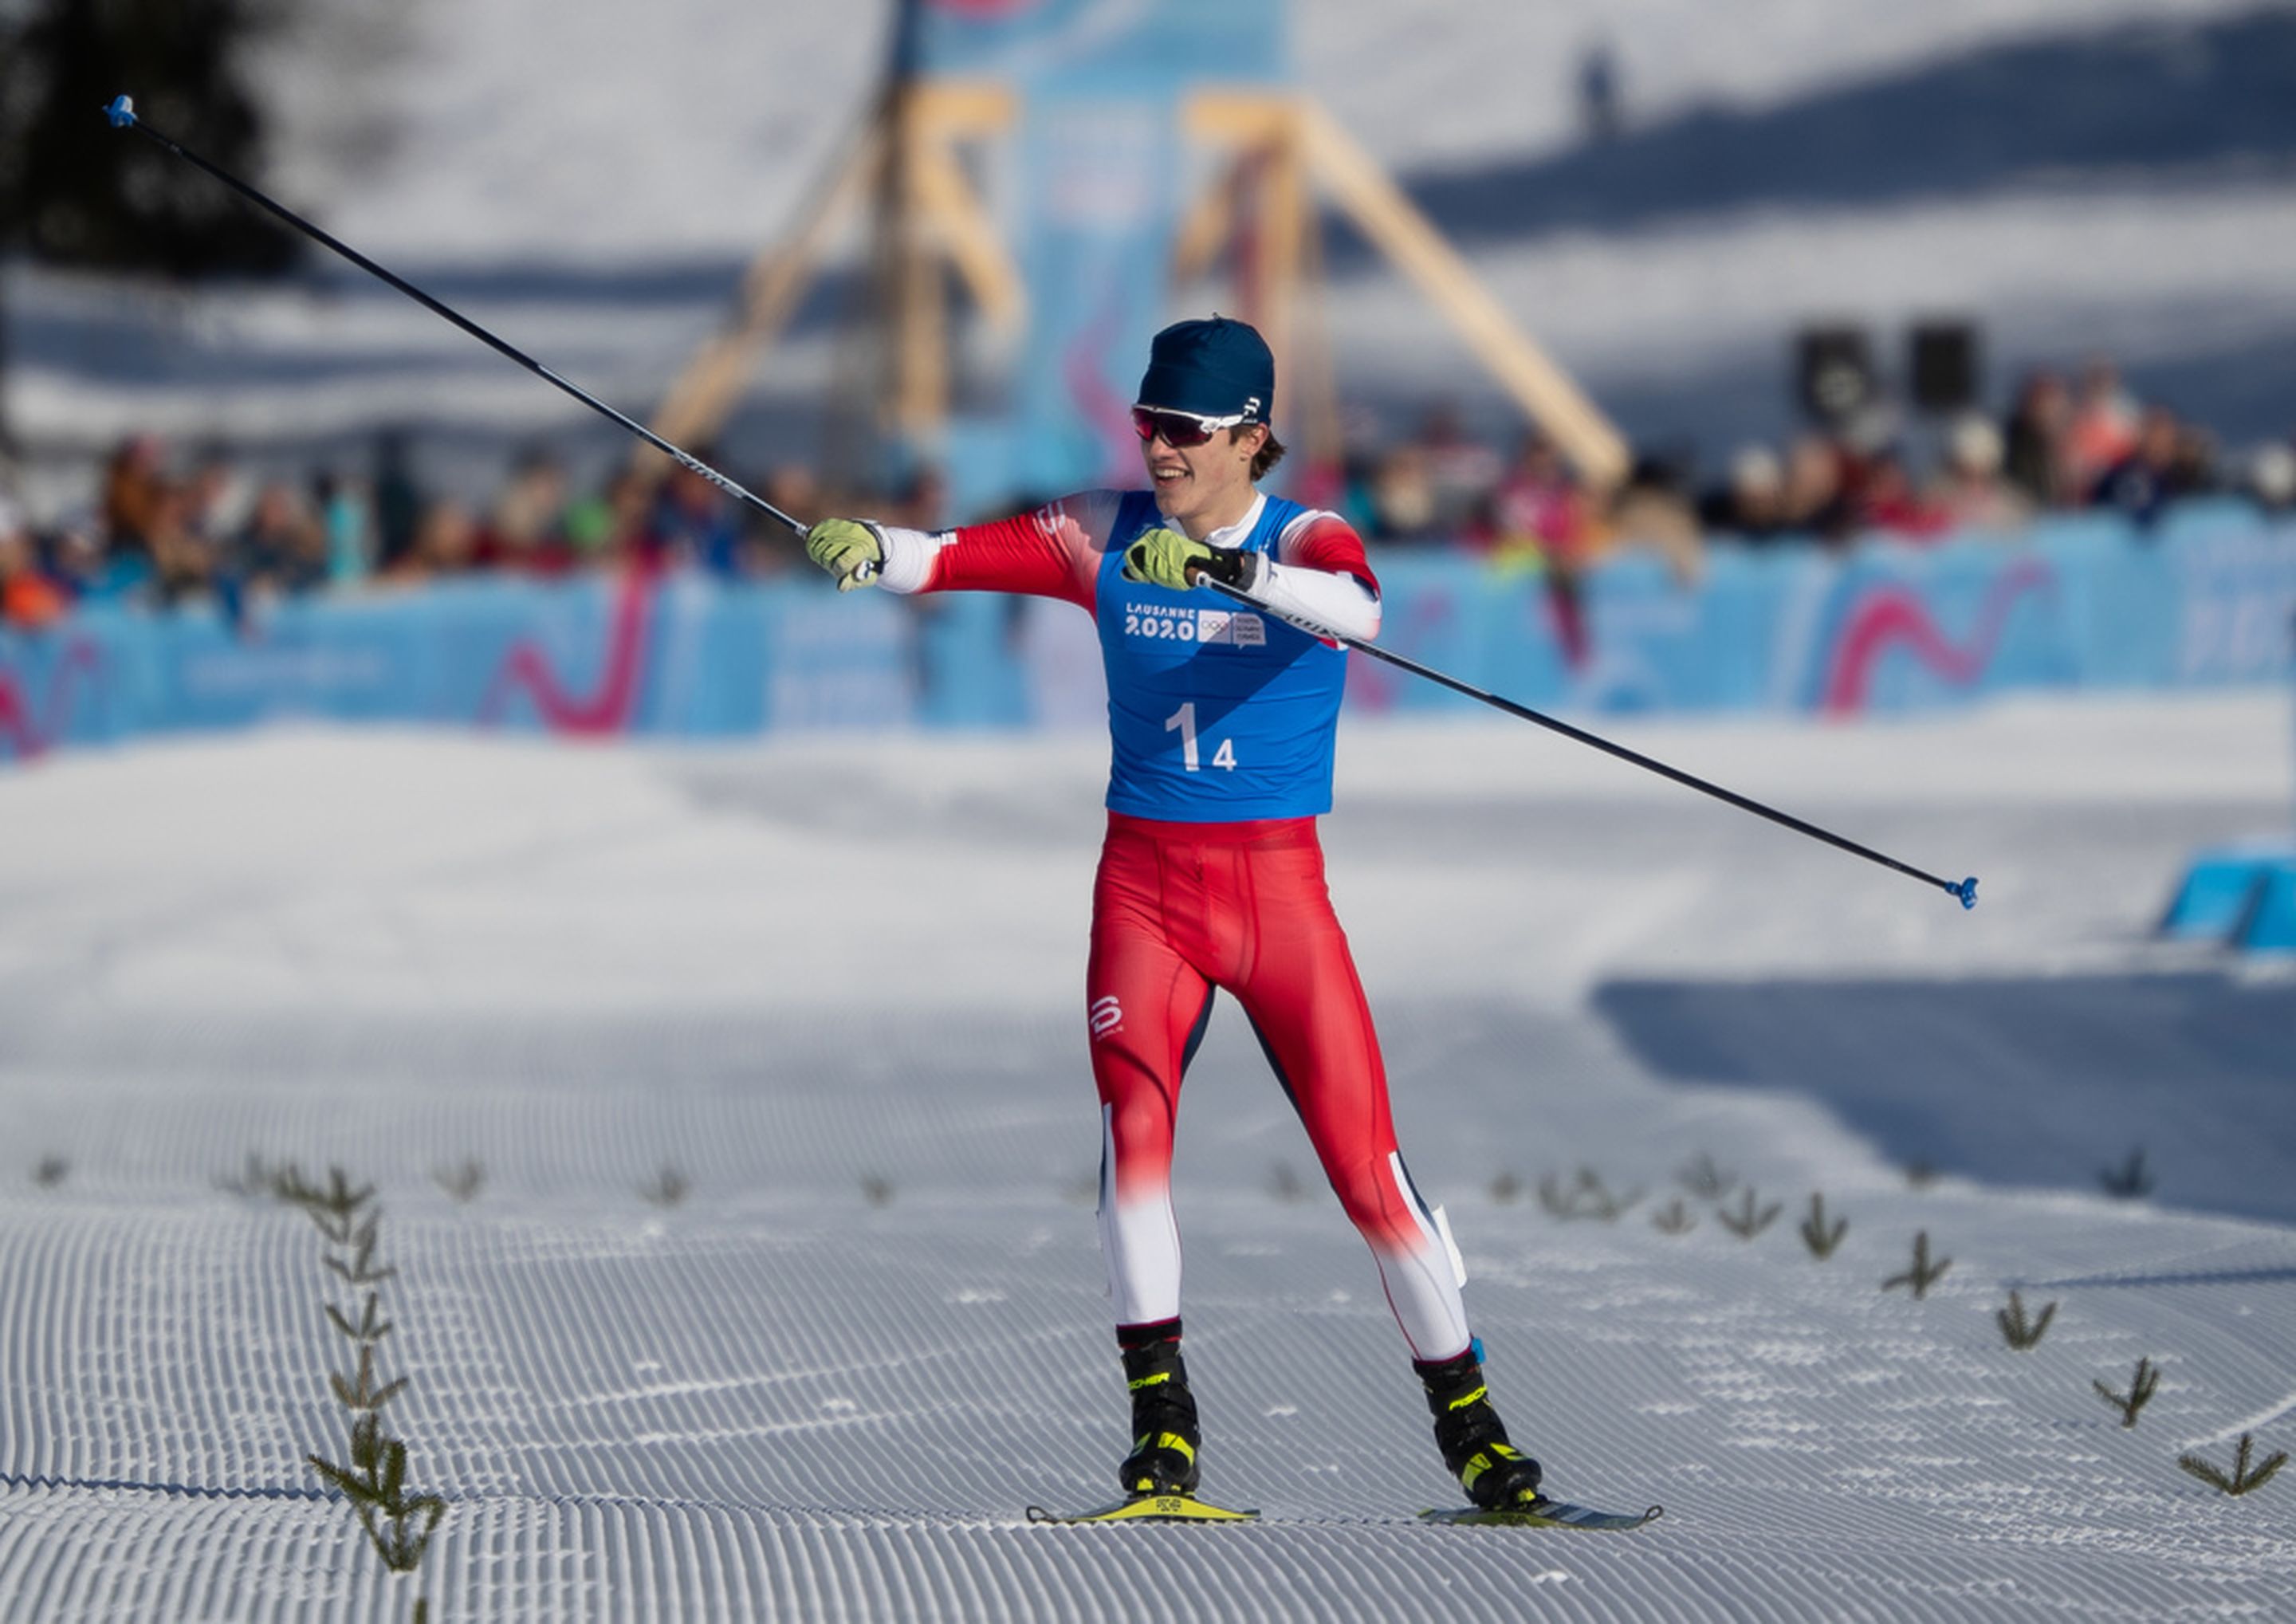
(526, 668)
(1372, 684)
(1892, 615)
(29, 735)
(1110, 415)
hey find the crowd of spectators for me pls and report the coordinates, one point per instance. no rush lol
(165, 529)
(2063, 446)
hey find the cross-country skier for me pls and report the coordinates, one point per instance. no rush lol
(1221, 722)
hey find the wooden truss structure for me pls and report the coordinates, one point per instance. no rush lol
(1276, 153)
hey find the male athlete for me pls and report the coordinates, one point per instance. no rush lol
(1221, 722)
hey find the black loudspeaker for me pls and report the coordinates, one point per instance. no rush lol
(1942, 357)
(1833, 369)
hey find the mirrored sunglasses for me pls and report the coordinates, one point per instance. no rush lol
(1180, 430)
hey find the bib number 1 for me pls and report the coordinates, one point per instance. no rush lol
(1183, 722)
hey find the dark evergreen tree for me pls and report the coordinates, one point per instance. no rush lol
(75, 191)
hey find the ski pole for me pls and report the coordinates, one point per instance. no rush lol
(1966, 891)
(123, 116)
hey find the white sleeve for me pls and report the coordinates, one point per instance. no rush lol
(1316, 600)
(909, 556)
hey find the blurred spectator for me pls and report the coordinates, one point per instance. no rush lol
(796, 492)
(445, 545)
(1600, 113)
(216, 497)
(922, 502)
(1970, 492)
(281, 549)
(608, 528)
(1539, 516)
(1460, 471)
(2272, 477)
(2033, 450)
(28, 599)
(2164, 462)
(1887, 501)
(1751, 504)
(1403, 496)
(130, 511)
(398, 502)
(1818, 501)
(2102, 432)
(1650, 511)
(691, 522)
(526, 531)
(346, 519)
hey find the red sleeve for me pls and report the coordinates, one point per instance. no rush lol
(1326, 541)
(1053, 553)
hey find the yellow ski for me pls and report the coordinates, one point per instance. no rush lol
(1149, 1508)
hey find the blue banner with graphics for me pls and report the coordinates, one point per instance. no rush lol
(2207, 600)
(1093, 206)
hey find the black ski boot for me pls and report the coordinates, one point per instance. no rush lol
(1164, 1434)
(1473, 1440)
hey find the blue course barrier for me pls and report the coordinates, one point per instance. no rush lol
(2084, 603)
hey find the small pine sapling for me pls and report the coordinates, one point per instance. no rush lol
(876, 1189)
(1924, 1273)
(256, 1180)
(1751, 1217)
(2243, 1477)
(667, 1188)
(1284, 1183)
(1706, 1181)
(399, 1524)
(1505, 1187)
(1818, 1235)
(364, 1395)
(2129, 1181)
(50, 1172)
(1585, 1197)
(370, 1328)
(2020, 1333)
(462, 1182)
(1920, 1175)
(2141, 1388)
(1674, 1218)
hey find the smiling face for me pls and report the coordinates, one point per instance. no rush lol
(1202, 489)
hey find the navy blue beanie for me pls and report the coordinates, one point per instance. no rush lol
(1214, 368)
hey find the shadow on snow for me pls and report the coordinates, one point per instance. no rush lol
(2046, 1082)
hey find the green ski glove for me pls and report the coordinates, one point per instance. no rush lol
(851, 549)
(1165, 558)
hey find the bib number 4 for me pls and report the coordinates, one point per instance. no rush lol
(1183, 721)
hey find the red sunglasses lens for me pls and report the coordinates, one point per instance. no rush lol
(1180, 432)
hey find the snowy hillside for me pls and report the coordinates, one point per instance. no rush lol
(832, 984)
(2074, 175)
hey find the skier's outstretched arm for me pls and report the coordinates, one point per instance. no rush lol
(1053, 552)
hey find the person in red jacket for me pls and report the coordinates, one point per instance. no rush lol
(1221, 720)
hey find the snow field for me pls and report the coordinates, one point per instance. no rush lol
(833, 983)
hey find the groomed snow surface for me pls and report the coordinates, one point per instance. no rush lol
(834, 984)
